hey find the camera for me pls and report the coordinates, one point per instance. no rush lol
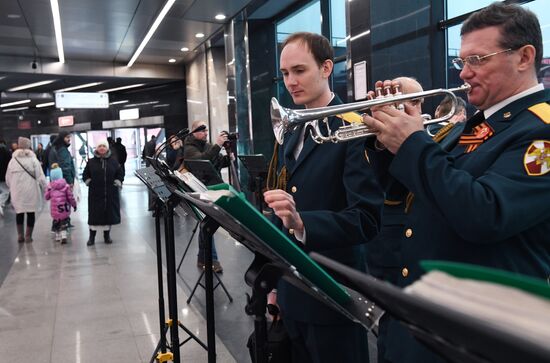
(231, 138)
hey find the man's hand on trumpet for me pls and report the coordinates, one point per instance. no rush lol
(391, 126)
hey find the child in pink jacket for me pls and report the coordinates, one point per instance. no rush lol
(61, 199)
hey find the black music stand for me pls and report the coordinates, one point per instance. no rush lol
(266, 269)
(204, 171)
(196, 186)
(257, 168)
(455, 336)
(164, 205)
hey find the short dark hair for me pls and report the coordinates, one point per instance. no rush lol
(445, 106)
(318, 45)
(518, 26)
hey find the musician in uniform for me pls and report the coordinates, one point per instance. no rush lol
(481, 195)
(326, 199)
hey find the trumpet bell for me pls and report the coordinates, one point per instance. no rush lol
(279, 120)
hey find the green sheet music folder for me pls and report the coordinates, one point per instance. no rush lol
(237, 206)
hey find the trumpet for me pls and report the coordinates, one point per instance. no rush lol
(284, 119)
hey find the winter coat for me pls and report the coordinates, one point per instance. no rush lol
(63, 157)
(4, 160)
(102, 175)
(61, 199)
(25, 190)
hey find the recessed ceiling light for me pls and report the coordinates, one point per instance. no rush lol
(57, 28)
(16, 109)
(13, 16)
(184, 49)
(123, 87)
(199, 35)
(30, 85)
(14, 103)
(86, 85)
(151, 31)
(220, 17)
(47, 104)
(171, 60)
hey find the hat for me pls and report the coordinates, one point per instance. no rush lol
(23, 143)
(56, 173)
(104, 143)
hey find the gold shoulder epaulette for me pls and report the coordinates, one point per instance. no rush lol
(351, 117)
(542, 111)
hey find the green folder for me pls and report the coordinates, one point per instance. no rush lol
(475, 272)
(237, 206)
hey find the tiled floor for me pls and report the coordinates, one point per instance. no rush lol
(73, 303)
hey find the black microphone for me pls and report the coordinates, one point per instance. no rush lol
(199, 129)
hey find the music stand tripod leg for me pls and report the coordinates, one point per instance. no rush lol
(262, 277)
(188, 245)
(161, 346)
(199, 281)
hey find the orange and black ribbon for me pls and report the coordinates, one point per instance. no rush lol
(479, 134)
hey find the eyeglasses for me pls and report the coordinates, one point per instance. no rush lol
(474, 60)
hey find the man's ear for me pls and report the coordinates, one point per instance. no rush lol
(527, 55)
(326, 68)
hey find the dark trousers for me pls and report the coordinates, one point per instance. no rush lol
(20, 218)
(313, 343)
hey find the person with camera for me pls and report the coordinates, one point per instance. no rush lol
(196, 147)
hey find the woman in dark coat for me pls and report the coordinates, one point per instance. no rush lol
(103, 176)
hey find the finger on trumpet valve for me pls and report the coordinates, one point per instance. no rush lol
(378, 92)
(396, 92)
(387, 89)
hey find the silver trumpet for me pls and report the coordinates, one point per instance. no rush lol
(285, 119)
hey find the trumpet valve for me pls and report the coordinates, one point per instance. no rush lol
(397, 92)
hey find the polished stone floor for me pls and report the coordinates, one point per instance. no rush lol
(73, 303)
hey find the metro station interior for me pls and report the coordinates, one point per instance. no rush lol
(165, 64)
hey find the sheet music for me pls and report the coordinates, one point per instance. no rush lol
(509, 308)
(191, 181)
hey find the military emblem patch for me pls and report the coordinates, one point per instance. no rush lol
(537, 158)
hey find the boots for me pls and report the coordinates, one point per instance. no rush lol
(107, 237)
(20, 237)
(28, 234)
(91, 240)
(63, 237)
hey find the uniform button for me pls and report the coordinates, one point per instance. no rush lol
(294, 189)
(408, 233)
(291, 231)
(405, 272)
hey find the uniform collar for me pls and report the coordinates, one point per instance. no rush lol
(502, 104)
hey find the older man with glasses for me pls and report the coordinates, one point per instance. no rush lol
(481, 195)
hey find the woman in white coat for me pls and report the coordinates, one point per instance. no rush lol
(26, 180)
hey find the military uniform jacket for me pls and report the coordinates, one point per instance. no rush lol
(489, 206)
(339, 201)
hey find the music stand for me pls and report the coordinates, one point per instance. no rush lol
(456, 336)
(164, 199)
(188, 182)
(257, 168)
(204, 171)
(278, 258)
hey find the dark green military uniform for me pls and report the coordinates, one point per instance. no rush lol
(339, 201)
(485, 202)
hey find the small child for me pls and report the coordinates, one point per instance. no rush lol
(61, 196)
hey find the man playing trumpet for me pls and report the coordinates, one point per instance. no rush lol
(326, 200)
(481, 196)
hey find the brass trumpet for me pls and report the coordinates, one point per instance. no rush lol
(284, 119)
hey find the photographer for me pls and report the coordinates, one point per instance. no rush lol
(196, 147)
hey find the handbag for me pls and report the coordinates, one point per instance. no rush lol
(278, 343)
